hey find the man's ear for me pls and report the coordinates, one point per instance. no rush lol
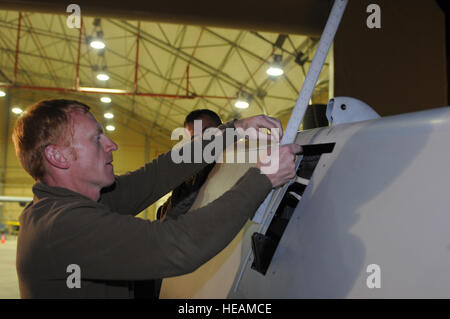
(56, 157)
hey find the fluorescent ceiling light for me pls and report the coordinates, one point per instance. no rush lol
(241, 104)
(108, 115)
(101, 90)
(274, 71)
(110, 127)
(17, 110)
(243, 100)
(97, 44)
(103, 77)
(105, 99)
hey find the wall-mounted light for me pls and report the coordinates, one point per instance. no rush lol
(276, 68)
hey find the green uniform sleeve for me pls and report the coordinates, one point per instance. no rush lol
(111, 246)
(135, 191)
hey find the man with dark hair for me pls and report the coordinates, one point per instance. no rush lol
(203, 114)
(79, 237)
(185, 194)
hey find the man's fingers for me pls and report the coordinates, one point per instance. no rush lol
(271, 124)
(276, 134)
(282, 164)
(262, 121)
(295, 149)
(274, 124)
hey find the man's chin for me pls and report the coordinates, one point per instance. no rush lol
(112, 180)
(108, 186)
(109, 181)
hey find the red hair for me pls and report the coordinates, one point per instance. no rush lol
(44, 123)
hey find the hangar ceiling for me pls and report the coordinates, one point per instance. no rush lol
(163, 70)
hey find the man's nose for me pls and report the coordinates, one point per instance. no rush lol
(110, 145)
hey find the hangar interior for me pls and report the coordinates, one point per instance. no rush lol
(164, 60)
(162, 72)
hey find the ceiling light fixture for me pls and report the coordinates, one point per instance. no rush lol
(2, 93)
(97, 44)
(108, 115)
(243, 100)
(103, 77)
(276, 67)
(241, 104)
(17, 110)
(101, 90)
(105, 99)
(110, 128)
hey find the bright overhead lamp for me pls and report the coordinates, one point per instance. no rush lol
(103, 77)
(2, 93)
(105, 99)
(108, 115)
(110, 128)
(101, 90)
(275, 69)
(17, 110)
(97, 44)
(243, 100)
(241, 104)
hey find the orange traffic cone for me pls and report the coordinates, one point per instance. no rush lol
(3, 238)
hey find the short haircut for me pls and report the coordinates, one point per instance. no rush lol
(44, 123)
(198, 114)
